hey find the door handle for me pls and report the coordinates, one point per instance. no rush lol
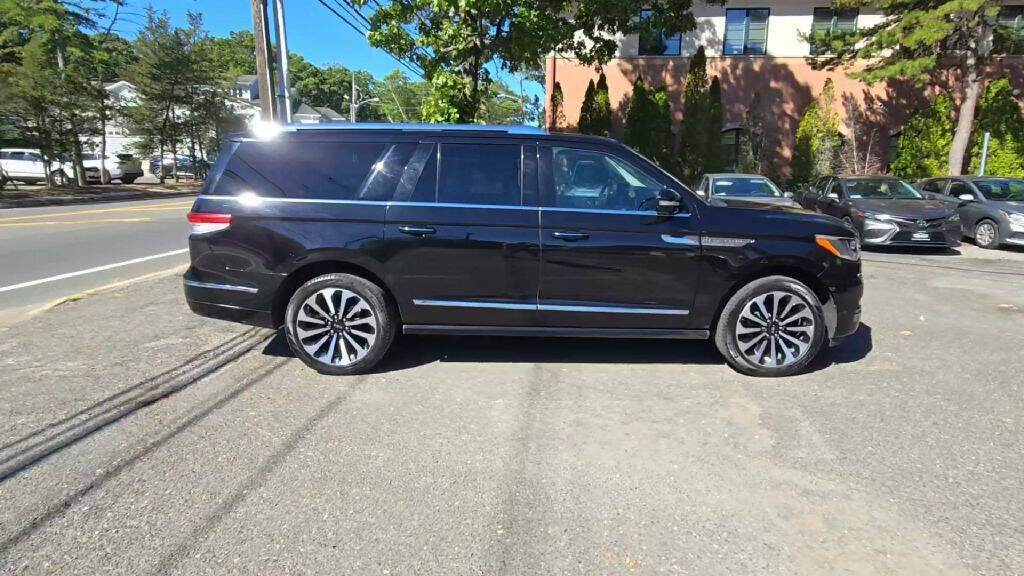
(570, 236)
(417, 230)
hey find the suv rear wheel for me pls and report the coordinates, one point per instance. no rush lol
(773, 326)
(340, 324)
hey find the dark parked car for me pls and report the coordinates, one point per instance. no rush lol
(885, 211)
(346, 234)
(736, 188)
(991, 209)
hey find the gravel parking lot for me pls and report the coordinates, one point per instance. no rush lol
(136, 438)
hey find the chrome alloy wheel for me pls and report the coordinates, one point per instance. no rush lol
(775, 329)
(336, 326)
(985, 235)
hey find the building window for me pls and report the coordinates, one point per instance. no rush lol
(1009, 36)
(829, 24)
(653, 42)
(746, 31)
(732, 139)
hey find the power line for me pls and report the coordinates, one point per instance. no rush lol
(362, 33)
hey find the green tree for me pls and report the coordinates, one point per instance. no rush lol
(817, 139)
(232, 56)
(401, 98)
(464, 38)
(159, 75)
(925, 141)
(694, 129)
(649, 124)
(557, 115)
(52, 35)
(759, 139)
(915, 39)
(715, 162)
(585, 125)
(601, 115)
(999, 114)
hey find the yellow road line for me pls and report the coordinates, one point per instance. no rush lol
(152, 207)
(97, 221)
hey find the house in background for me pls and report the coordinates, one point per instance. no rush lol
(761, 47)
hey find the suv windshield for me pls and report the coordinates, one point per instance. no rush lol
(882, 188)
(1001, 189)
(745, 186)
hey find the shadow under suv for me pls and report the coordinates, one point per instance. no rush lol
(346, 234)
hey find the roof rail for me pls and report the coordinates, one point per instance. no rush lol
(406, 127)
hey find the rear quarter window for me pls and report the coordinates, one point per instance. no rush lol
(315, 170)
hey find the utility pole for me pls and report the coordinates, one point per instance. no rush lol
(984, 154)
(263, 72)
(284, 101)
(352, 106)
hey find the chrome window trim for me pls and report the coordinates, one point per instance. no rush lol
(260, 199)
(550, 307)
(232, 288)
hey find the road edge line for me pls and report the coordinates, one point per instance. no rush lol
(180, 269)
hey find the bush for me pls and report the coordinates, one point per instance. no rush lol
(557, 114)
(925, 141)
(649, 124)
(1000, 115)
(694, 130)
(601, 114)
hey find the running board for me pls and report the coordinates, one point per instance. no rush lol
(561, 332)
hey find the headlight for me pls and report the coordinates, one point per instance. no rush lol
(845, 248)
(953, 218)
(1015, 217)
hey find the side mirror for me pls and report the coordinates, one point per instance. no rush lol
(787, 194)
(967, 197)
(669, 201)
(832, 196)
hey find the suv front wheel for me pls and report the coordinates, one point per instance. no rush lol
(773, 326)
(340, 324)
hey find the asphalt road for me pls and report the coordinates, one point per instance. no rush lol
(53, 252)
(158, 442)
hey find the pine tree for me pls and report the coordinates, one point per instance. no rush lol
(695, 119)
(925, 141)
(585, 124)
(916, 38)
(557, 114)
(601, 116)
(661, 136)
(637, 114)
(715, 161)
(1000, 115)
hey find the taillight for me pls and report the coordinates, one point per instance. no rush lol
(206, 222)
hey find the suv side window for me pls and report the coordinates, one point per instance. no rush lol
(316, 170)
(588, 179)
(485, 174)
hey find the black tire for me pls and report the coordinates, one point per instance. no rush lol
(795, 294)
(375, 299)
(986, 241)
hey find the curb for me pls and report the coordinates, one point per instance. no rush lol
(35, 202)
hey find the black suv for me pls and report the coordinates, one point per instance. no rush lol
(346, 234)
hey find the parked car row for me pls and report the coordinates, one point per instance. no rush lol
(887, 211)
(991, 209)
(26, 165)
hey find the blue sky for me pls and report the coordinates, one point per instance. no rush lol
(313, 31)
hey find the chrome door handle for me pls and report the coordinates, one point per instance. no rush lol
(417, 230)
(570, 236)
